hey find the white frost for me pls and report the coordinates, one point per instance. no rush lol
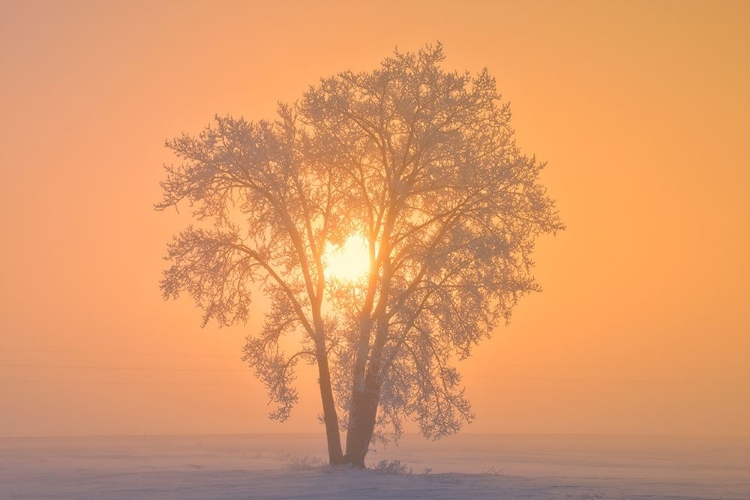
(242, 467)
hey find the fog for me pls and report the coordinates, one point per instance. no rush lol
(639, 108)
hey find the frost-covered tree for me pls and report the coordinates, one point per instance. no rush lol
(422, 164)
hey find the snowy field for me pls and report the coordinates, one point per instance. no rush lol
(287, 466)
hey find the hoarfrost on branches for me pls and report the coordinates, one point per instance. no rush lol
(423, 165)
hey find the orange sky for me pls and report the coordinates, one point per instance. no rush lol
(640, 108)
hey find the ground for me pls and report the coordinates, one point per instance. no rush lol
(289, 466)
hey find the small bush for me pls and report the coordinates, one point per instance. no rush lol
(304, 463)
(394, 467)
(494, 472)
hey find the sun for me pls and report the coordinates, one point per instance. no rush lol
(350, 261)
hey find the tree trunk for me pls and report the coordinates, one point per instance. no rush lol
(362, 417)
(331, 419)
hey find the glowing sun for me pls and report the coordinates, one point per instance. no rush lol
(350, 261)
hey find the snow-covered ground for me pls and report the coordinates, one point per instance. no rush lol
(285, 466)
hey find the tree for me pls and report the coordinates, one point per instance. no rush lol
(423, 165)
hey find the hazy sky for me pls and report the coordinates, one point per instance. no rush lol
(640, 108)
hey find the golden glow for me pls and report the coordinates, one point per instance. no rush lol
(350, 261)
(639, 107)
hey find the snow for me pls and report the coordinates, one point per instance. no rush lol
(286, 466)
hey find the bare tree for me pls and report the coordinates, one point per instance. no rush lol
(421, 163)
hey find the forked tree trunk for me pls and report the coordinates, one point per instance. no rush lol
(365, 396)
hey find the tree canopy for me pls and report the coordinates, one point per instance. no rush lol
(422, 164)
